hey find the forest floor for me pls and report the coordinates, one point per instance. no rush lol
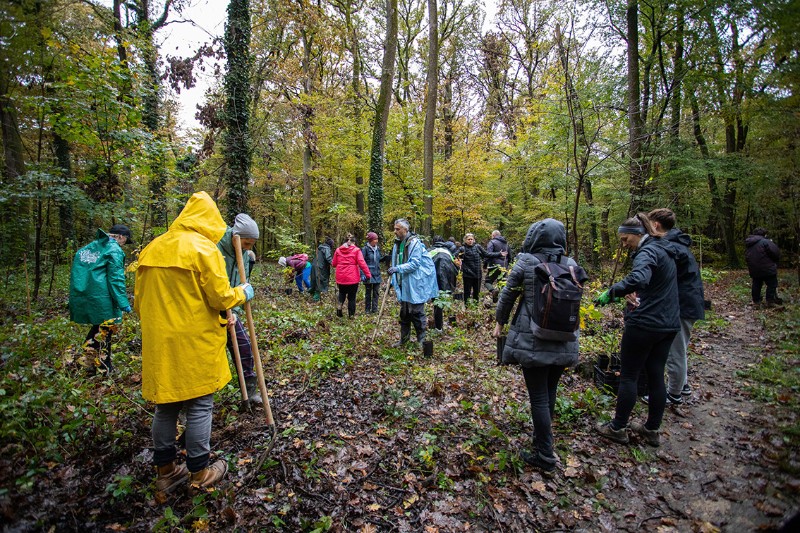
(371, 438)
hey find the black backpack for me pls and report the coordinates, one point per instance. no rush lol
(556, 305)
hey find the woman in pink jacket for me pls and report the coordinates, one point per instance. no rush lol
(348, 259)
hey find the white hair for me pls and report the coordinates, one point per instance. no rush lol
(403, 222)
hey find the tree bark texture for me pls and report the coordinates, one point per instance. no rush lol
(431, 93)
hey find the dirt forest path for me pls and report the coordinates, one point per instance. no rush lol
(717, 466)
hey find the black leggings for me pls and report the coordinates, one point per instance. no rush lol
(639, 349)
(349, 292)
(472, 286)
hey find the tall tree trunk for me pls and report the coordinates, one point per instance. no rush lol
(723, 214)
(381, 120)
(238, 151)
(308, 137)
(634, 106)
(678, 73)
(14, 218)
(431, 93)
(448, 117)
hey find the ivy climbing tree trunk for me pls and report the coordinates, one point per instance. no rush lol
(236, 138)
(431, 91)
(381, 119)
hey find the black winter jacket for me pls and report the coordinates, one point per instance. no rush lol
(499, 244)
(654, 279)
(472, 260)
(690, 285)
(761, 255)
(522, 347)
(446, 269)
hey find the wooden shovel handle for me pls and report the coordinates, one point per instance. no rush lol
(237, 244)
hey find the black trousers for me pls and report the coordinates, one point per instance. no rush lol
(99, 339)
(372, 296)
(772, 288)
(472, 286)
(349, 292)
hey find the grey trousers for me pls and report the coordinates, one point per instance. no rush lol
(197, 434)
(676, 360)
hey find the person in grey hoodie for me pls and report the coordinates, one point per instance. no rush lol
(542, 361)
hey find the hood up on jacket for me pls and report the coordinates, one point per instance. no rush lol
(547, 236)
(201, 216)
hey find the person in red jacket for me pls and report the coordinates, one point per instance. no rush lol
(348, 259)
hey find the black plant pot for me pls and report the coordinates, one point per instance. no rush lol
(288, 290)
(427, 348)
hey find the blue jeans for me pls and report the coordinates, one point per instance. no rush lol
(304, 279)
(198, 431)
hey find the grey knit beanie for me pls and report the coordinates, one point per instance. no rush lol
(245, 227)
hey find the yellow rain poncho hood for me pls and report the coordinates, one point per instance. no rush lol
(181, 287)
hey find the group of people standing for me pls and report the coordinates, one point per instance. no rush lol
(188, 292)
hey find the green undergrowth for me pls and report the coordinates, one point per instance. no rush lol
(775, 378)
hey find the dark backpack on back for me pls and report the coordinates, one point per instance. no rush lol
(556, 305)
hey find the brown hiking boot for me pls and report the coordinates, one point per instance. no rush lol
(650, 436)
(207, 477)
(170, 476)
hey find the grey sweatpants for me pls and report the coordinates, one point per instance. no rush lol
(198, 431)
(677, 360)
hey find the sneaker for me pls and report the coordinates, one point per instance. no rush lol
(536, 461)
(619, 436)
(687, 390)
(207, 477)
(650, 436)
(170, 476)
(645, 399)
(674, 400)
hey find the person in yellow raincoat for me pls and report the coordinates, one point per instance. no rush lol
(181, 287)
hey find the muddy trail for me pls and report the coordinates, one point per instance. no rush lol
(392, 442)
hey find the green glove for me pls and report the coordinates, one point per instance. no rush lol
(605, 298)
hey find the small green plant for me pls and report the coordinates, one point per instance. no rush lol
(444, 300)
(167, 522)
(121, 486)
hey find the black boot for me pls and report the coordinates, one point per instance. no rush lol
(405, 333)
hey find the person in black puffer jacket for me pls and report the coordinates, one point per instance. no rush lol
(542, 361)
(472, 256)
(446, 274)
(651, 323)
(690, 299)
(762, 256)
(495, 267)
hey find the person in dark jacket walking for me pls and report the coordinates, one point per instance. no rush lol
(97, 293)
(472, 256)
(321, 269)
(651, 323)
(442, 254)
(495, 266)
(542, 361)
(372, 284)
(690, 299)
(762, 256)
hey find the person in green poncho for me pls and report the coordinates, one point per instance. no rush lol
(97, 294)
